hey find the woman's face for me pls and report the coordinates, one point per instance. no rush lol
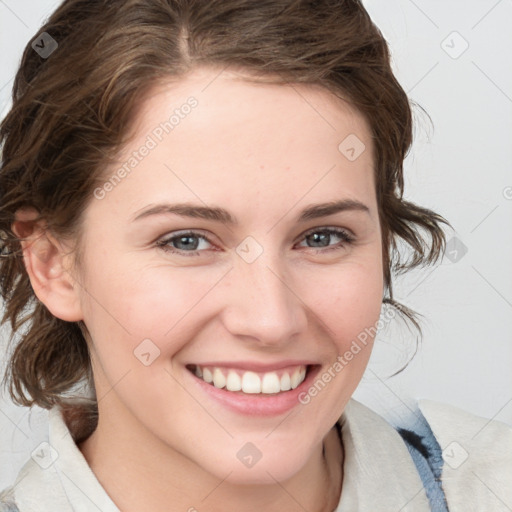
(242, 283)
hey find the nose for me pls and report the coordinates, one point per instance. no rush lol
(262, 306)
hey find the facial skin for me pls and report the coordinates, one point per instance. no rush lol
(264, 153)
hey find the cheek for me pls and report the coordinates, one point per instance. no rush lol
(141, 301)
(136, 318)
(347, 300)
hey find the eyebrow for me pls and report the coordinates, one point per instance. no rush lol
(221, 215)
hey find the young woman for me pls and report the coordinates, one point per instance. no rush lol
(201, 205)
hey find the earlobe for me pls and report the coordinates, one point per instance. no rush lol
(44, 258)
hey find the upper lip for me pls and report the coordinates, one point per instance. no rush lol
(254, 366)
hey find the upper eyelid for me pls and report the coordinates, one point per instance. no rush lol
(337, 229)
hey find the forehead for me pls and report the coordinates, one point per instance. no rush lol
(219, 136)
(232, 100)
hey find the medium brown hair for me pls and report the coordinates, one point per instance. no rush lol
(72, 112)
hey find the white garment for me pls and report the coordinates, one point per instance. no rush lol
(379, 473)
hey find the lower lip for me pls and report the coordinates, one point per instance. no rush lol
(258, 404)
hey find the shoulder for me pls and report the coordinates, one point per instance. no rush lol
(477, 457)
(468, 438)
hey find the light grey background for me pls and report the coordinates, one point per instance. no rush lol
(461, 168)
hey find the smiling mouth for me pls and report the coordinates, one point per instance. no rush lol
(249, 382)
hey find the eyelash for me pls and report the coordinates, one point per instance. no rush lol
(341, 233)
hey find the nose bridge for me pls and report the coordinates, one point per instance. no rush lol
(263, 304)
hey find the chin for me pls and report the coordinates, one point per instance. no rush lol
(244, 467)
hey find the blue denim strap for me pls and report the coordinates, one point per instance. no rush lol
(427, 456)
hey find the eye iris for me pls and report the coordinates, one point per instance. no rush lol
(323, 237)
(187, 245)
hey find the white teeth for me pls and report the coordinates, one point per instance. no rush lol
(270, 383)
(295, 378)
(233, 382)
(286, 385)
(219, 381)
(251, 382)
(207, 376)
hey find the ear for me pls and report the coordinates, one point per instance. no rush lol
(46, 261)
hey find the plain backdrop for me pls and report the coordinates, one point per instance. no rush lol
(453, 59)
